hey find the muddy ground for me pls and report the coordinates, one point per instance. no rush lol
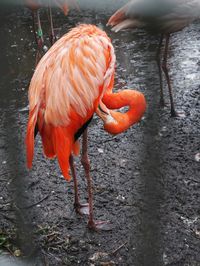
(146, 180)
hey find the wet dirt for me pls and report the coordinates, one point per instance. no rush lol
(146, 180)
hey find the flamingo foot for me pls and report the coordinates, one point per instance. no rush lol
(178, 114)
(100, 225)
(173, 113)
(82, 209)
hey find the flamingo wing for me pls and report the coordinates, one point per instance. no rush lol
(65, 89)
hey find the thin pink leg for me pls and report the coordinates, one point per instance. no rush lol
(80, 208)
(162, 102)
(76, 196)
(52, 35)
(165, 70)
(95, 225)
(34, 27)
(86, 165)
(38, 57)
(39, 39)
(39, 32)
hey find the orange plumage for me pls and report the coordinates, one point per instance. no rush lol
(72, 81)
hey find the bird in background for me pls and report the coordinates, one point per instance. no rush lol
(157, 16)
(72, 82)
(35, 5)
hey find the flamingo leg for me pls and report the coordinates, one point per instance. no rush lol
(95, 225)
(165, 70)
(38, 57)
(39, 38)
(34, 27)
(162, 103)
(86, 165)
(52, 35)
(80, 208)
(39, 32)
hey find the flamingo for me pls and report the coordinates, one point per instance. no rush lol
(72, 81)
(34, 6)
(164, 17)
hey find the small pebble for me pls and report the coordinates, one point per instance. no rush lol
(120, 197)
(17, 253)
(45, 48)
(100, 150)
(98, 255)
(197, 157)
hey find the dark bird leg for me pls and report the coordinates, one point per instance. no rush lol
(95, 225)
(80, 208)
(34, 27)
(162, 103)
(40, 39)
(52, 35)
(165, 70)
(39, 32)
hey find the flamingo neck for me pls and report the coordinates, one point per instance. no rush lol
(116, 122)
